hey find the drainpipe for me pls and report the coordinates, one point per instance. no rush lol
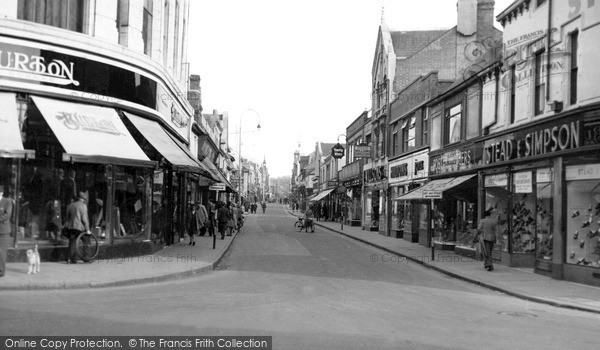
(548, 36)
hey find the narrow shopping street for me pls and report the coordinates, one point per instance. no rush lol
(309, 291)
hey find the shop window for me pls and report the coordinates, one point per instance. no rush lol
(523, 213)
(583, 215)
(497, 195)
(66, 14)
(473, 115)
(132, 195)
(544, 210)
(513, 89)
(147, 27)
(159, 204)
(453, 124)
(397, 208)
(409, 142)
(540, 94)
(574, 67)
(466, 223)
(425, 129)
(45, 193)
(395, 140)
(436, 132)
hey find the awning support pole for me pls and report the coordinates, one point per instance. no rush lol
(431, 230)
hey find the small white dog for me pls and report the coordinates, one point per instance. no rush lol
(33, 260)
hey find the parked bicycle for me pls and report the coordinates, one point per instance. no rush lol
(300, 225)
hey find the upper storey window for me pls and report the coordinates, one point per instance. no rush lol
(66, 14)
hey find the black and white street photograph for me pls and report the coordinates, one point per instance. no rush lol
(284, 174)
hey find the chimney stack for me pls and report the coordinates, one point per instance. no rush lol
(467, 17)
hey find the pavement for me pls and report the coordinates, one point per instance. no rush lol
(173, 262)
(182, 261)
(517, 282)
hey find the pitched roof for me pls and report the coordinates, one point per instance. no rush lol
(407, 43)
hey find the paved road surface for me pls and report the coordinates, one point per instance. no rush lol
(309, 291)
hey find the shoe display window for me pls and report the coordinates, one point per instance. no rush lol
(583, 215)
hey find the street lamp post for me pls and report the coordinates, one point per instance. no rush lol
(240, 151)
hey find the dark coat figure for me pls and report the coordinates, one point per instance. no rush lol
(53, 218)
(324, 213)
(223, 216)
(487, 230)
(77, 222)
(67, 191)
(194, 224)
(7, 208)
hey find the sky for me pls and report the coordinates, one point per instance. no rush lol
(300, 69)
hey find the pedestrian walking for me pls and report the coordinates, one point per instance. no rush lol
(7, 208)
(487, 237)
(212, 215)
(202, 215)
(222, 218)
(76, 223)
(193, 224)
(231, 222)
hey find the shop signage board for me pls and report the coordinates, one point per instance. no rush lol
(432, 194)
(583, 172)
(219, 186)
(362, 151)
(455, 160)
(523, 182)
(547, 139)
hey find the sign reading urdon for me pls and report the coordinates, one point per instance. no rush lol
(548, 140)
(31, 67)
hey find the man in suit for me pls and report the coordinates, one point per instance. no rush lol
(76, 223)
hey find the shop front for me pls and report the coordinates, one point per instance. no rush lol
(351, 180)
(66, 135)
(454, 195)
(543, 182)
(406, 174)
(375, 198)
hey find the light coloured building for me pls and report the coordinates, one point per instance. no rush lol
(98, 98)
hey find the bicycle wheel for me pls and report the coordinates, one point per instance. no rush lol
(298, 226)
(87, 246)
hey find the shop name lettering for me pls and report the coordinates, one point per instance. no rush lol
(452, 161)
(399, 170)
(558, 138)
(374, 174)
(74, 121)
(20, 65)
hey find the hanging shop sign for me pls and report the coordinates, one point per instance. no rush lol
(455, 160)
(362, 151)
(546, 139)
(337, 151)
(432, 195)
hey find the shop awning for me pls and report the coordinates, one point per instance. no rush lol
(11, 144)
(215, 173)
(309, 198)
(91, 134)
(435, 185)
(322, 195)
(164, 144)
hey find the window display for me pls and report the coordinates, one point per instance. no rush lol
(544, 208)
(397, 208)
(497, 196)
(523, 213)
(131, 212)
(466, 223)
(583, 215)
